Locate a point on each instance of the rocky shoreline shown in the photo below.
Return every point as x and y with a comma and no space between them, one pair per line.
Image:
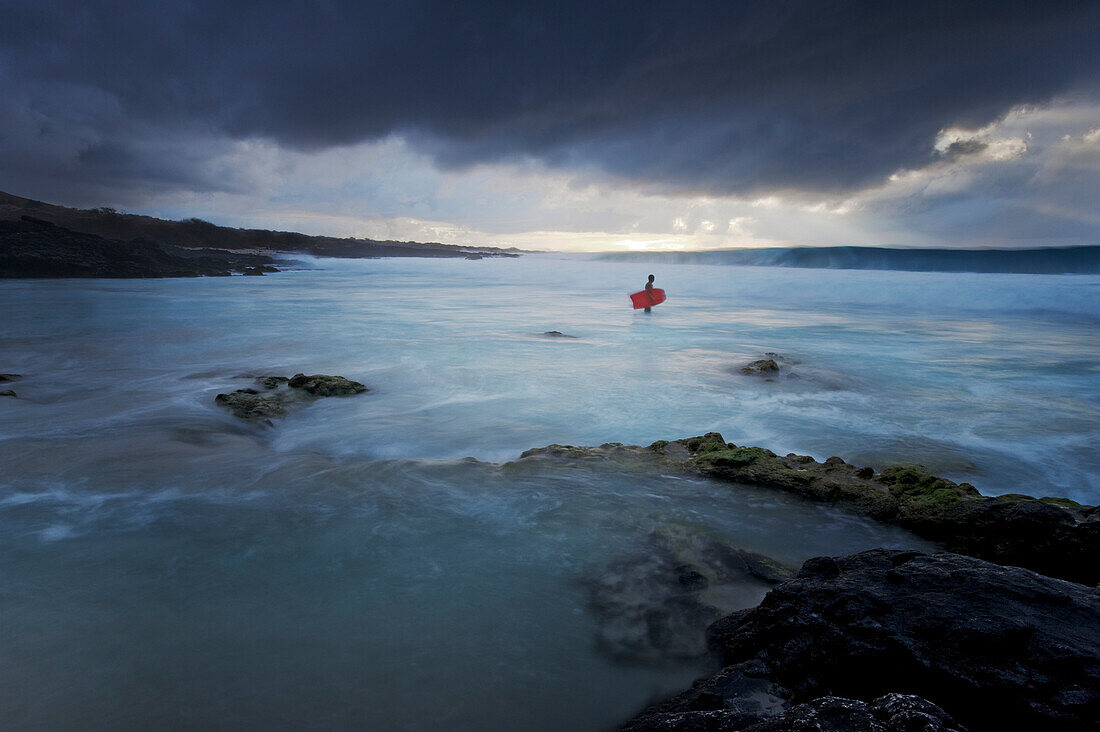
35,248
1054,536
939,638
41,240
1001,631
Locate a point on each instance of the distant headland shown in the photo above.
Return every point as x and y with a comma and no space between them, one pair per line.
1047,260
40,239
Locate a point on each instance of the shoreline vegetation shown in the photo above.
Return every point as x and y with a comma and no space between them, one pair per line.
42,240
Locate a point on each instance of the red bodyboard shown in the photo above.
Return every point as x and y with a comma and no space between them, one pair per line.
642,299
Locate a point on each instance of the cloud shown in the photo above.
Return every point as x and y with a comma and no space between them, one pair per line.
565,125
709,97
1026,179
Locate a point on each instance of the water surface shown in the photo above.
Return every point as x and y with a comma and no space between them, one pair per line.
164,564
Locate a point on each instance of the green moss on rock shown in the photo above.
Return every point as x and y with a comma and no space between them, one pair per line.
1063,503
737,457
913,484
704,443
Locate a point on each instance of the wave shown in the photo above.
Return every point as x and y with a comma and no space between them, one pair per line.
1055,260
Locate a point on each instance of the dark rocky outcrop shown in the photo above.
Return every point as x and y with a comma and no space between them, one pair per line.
1054,536
321,385
250,404
771,368
996,647
888,713
31,247
283,393
192,233
763,367
557,334
4,378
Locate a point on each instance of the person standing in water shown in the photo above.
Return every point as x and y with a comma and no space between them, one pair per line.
649,292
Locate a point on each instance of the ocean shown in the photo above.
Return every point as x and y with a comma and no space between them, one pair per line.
373,561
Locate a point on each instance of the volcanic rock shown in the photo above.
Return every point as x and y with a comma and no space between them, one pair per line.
996,647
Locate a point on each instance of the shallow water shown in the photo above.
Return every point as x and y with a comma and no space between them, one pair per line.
162,563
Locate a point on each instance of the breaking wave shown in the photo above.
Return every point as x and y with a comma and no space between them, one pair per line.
1060,260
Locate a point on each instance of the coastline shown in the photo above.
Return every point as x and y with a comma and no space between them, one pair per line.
1002,627
1054,536
43,240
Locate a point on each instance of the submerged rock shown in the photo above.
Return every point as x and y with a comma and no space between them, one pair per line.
996,647
276,400
775,366
557,334
10,377
8,393
657,606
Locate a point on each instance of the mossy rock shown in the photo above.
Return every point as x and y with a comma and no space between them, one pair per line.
1059,502
913,484
763,367
1065,503
323,385
753,465
709,442
247,404
737,457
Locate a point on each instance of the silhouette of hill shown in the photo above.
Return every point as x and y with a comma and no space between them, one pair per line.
195,233
1047,260
33,247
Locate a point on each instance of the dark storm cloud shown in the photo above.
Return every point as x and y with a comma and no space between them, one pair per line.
710,96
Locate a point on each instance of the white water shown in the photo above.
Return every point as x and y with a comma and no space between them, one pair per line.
162,563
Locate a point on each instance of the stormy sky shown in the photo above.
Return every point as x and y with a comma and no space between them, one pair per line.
572,125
